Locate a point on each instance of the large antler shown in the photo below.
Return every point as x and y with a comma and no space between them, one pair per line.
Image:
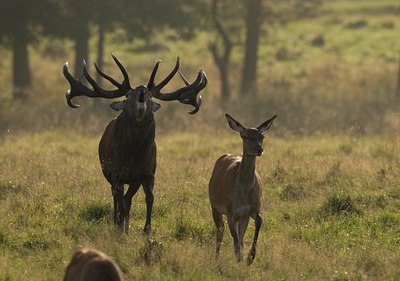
186,95
79,89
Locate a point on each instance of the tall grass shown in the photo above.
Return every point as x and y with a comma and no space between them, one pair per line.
329,212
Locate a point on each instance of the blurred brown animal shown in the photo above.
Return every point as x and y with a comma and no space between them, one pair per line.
235,188
127,149
92,265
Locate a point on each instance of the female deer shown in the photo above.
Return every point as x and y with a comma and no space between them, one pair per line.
92,265
235,188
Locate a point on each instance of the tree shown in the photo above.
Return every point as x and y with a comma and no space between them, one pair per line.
16,31
267,11
224,19
21,23
76,17
253,25
221,57
398,81
145,18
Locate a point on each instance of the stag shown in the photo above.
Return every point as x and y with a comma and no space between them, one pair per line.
92,265
127,149
235,188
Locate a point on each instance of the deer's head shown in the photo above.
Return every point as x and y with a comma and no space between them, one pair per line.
137,100
252,137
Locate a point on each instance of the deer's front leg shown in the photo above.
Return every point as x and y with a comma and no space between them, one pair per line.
148,186
252,253
234,229
119,205
133,188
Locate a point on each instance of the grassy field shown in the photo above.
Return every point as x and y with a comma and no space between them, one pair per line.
331,196
330,207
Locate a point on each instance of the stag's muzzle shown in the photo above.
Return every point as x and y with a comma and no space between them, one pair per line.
141,108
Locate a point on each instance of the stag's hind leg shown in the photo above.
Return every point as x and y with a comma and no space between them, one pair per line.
148,186
258,222
119,205
133,188
219,224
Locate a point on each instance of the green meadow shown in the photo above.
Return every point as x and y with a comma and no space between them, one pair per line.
330,169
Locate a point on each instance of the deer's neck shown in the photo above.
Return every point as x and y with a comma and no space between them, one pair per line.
246,171
134,133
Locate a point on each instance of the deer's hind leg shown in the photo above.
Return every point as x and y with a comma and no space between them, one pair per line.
219,224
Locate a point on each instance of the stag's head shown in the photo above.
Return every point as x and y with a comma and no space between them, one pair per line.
138,101
252,137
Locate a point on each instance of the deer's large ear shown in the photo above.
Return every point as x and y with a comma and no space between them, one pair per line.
155,106
266,125
118,105
235,125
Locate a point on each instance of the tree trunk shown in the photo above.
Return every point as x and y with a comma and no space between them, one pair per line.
100,52
253,23
98,104
21,71
222,62
81,48
221,58
398,81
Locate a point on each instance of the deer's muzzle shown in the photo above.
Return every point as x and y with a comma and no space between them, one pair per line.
141,108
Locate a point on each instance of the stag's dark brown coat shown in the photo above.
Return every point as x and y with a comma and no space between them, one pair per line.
133,157
127,150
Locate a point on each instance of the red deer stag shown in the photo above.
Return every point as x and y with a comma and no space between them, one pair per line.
235,188
92,265
127,149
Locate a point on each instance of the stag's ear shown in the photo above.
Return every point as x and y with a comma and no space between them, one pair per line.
235,125
155,106
118,105
266,125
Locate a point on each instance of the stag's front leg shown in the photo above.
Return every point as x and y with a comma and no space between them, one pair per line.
234,229
148,185
119,205
133,188
257,221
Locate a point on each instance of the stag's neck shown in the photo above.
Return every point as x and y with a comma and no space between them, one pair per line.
136,132
247,170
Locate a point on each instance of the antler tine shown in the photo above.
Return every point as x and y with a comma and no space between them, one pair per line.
151,84
191,96
188,94
169,77
183,78
110,79
89,78
79,89
124,73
